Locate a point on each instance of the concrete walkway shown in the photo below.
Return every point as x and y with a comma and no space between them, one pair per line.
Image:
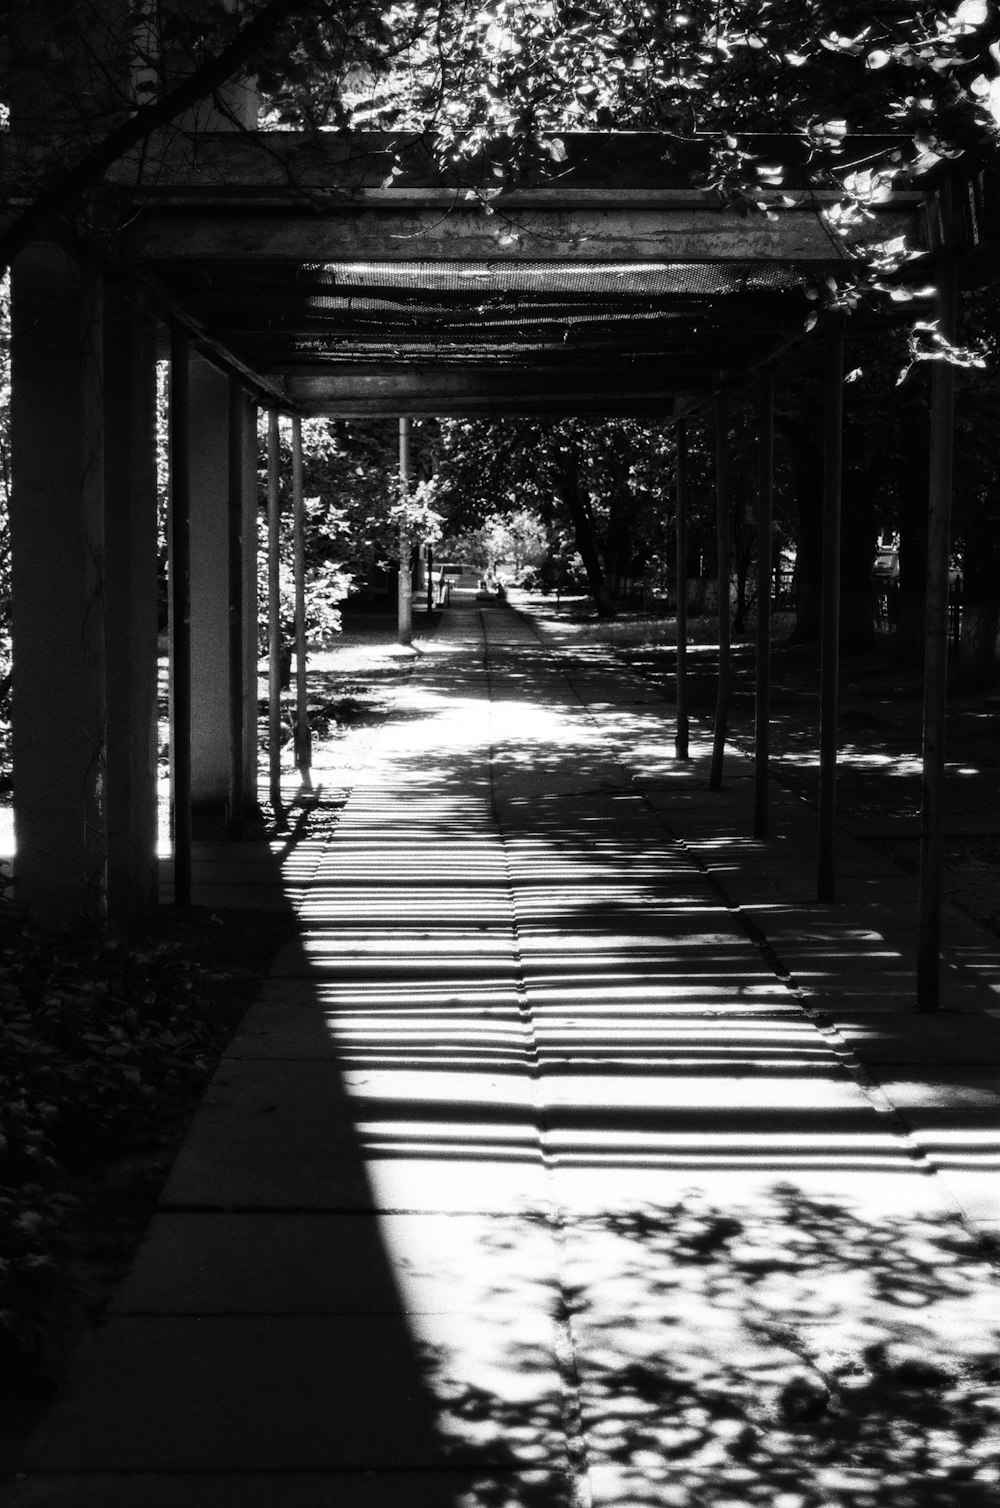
571,1155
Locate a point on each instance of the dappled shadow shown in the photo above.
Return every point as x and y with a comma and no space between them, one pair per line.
799,1351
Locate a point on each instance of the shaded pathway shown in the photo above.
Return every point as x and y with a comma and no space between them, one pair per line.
528,1180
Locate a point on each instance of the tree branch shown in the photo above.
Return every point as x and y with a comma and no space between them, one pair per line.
212,75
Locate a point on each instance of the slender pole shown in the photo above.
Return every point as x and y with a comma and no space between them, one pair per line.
765,546
237,814
830,629
936,650
682,737
303,734
180,609
724,572
430,578
405,599
274,615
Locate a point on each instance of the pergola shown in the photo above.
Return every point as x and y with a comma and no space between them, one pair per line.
317,276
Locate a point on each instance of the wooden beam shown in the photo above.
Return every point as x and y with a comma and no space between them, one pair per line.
297,160
384,234
361,390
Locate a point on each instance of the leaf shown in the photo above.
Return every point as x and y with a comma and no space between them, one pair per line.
972,14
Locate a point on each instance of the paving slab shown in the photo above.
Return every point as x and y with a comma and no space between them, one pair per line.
303,1028
958,1038
371,1263
290,1134
297,1489
318,1392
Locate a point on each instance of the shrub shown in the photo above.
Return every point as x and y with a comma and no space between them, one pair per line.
96,1039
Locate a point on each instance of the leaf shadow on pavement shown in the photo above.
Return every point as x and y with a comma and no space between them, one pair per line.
797,1352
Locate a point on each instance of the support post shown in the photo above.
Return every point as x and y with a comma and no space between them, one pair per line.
128,408
179,535
682,735
303,734
83,534
405,593
725,647
210,628
765,536
430,579
236,814
830,628
274,617
251,626
936,649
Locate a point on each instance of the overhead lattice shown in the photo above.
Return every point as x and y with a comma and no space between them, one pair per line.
602,290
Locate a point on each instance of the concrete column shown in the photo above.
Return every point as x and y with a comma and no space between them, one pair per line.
274,618
83,535
223,440
209,457
179,544
130,595
303,733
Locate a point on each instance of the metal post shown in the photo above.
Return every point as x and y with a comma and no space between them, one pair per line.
682,736
722,593
936,650
405,597
430,578
765,533
237,813
830,630
180,611
303,735
274,615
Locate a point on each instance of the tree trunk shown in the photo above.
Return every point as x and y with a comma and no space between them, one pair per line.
857,552
586,544
806,458
978,648
857,543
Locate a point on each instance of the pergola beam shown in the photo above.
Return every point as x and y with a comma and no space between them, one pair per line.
384,233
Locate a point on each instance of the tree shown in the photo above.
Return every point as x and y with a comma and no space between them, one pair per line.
513,542
493,89
977,468
606,482
88,82
352,507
